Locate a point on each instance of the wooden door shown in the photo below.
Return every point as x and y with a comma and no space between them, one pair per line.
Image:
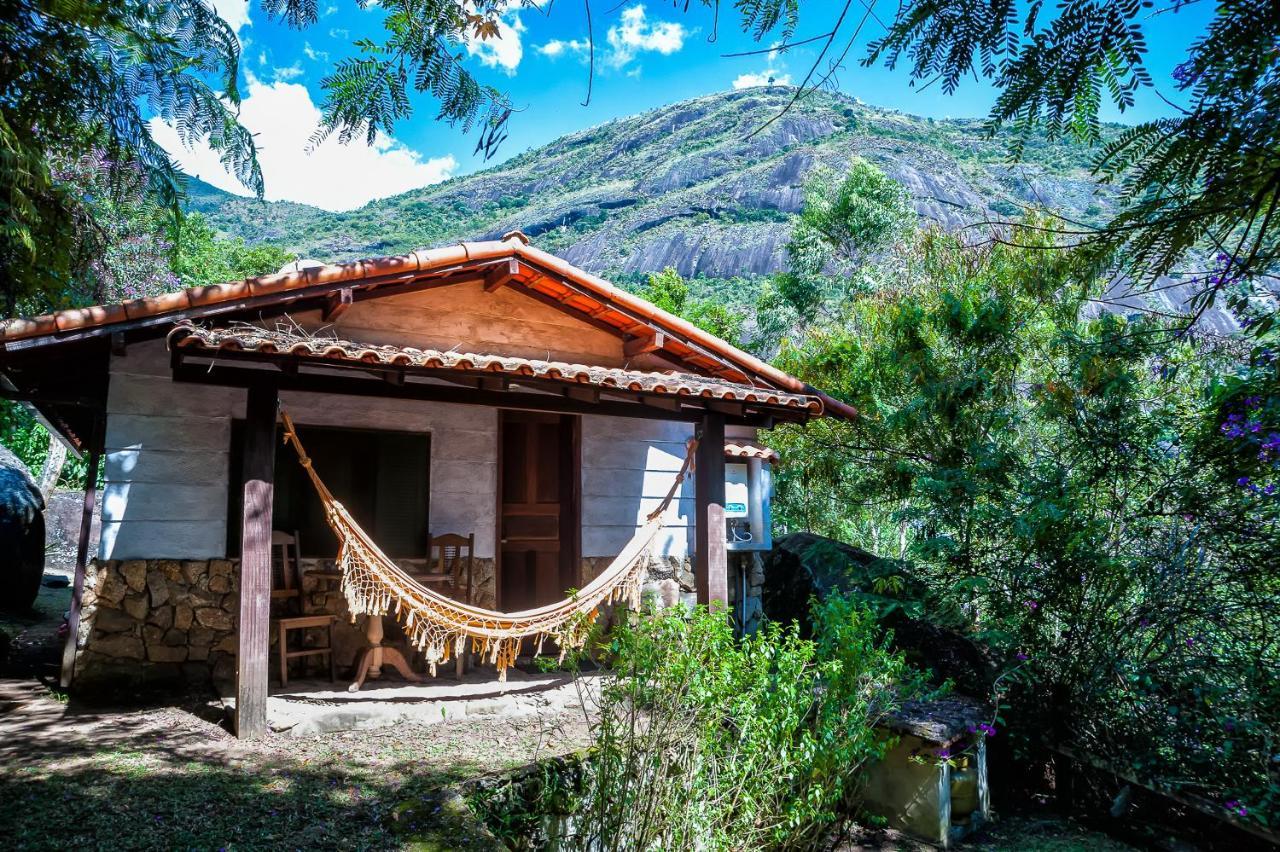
538,511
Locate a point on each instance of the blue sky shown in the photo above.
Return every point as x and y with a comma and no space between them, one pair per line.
647,55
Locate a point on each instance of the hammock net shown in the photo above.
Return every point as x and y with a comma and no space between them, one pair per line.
441,627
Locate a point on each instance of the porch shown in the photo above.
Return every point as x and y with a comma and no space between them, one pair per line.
311,705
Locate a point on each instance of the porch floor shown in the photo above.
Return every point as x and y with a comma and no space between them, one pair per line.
308,706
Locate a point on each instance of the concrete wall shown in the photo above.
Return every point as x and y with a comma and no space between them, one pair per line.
628,465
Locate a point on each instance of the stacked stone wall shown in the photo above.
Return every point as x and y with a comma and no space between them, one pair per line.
156,619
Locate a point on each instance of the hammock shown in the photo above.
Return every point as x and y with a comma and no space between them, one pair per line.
439,626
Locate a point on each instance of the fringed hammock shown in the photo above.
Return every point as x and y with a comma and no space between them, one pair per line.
440,627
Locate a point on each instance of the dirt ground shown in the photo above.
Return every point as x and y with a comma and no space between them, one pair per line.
167,777
171,776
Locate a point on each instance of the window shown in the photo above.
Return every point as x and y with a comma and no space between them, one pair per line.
383,478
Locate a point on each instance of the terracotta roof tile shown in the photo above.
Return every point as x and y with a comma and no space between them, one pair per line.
549,276
246,338
749,450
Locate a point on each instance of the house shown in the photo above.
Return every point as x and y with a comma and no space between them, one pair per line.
487,388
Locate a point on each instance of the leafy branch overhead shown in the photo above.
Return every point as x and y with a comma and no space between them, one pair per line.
1206,178
423,52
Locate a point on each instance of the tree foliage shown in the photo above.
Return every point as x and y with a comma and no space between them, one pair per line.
707,741
1097,496
669,291
80,80
368,94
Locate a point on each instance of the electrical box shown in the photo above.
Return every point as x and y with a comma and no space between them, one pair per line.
747,487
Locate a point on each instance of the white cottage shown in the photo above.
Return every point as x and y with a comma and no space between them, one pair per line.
486,390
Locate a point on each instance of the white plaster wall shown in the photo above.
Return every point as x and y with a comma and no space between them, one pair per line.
628,465
167,457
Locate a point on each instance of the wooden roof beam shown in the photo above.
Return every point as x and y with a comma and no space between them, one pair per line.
501,275
643,344
338,304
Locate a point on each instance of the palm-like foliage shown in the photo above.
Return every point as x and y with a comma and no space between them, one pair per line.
84,76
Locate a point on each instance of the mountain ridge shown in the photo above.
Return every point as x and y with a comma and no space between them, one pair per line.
621,197
708,186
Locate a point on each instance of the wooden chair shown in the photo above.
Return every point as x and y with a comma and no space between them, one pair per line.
451,557
286,583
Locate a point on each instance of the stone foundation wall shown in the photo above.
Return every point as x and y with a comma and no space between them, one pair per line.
155,620
160,619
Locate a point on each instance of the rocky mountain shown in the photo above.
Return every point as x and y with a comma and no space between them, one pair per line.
687,185
706,185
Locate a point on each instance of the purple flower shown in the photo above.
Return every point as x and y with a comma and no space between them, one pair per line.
1031,605
1021,656
943,753
1243,482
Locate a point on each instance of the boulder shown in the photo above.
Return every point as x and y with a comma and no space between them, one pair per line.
136,605
114,621
161,617
802,566
159,653
182,615
21,534
157,587
113,588
120,646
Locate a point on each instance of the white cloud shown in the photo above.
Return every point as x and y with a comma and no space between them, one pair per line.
557,48
335,177
635,34
340,33
313,54
768,77
289,72
234,12
502,51
330,10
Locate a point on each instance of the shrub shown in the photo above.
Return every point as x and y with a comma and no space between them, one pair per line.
707,741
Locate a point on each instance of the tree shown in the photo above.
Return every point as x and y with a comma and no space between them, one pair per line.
669,291
80,78
844,223
202,257
1099,498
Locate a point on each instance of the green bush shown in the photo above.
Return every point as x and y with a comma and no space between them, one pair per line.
707,741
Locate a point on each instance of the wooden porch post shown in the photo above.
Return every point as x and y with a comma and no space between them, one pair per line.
82,554
255,561
711,559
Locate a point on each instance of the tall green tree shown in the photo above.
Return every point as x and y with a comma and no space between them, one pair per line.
80,80
1098,497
